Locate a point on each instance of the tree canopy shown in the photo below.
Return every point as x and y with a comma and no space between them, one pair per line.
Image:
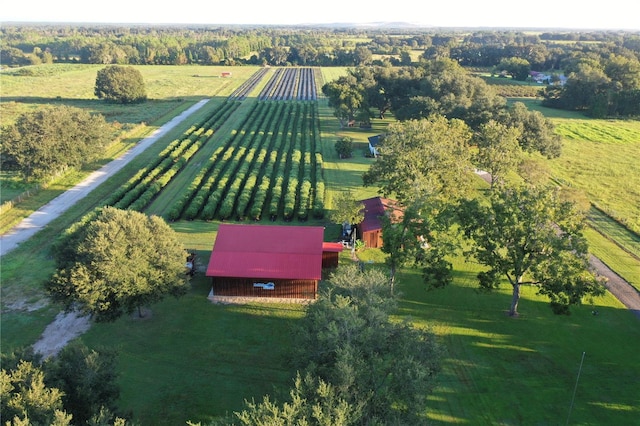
117,263
42,143
530,236
428,156
25,399
77,387
346,209
423,236
87,379
384,368
120,84
498,149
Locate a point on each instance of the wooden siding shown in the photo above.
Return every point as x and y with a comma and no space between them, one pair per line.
330,259
372,239
245,287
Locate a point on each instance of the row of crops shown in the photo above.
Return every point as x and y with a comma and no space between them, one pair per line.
268,167
247,87
291,84
284,84
138,192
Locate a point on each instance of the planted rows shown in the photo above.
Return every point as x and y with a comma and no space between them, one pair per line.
290,84
141,189
245,88
268,167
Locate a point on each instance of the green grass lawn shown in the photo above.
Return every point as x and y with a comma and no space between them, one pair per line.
500,370
602,158
194,360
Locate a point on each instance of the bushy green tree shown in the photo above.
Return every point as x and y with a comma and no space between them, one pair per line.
422,236
121,261
344,147
346,96
498,149
427,156
120,84
312,402
518,68
537,132
87,379
26,400
346,209
348,340
44,142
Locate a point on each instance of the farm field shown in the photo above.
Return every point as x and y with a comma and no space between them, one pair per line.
192,360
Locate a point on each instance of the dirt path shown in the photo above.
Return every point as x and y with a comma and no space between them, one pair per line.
65,328
68,326
622,290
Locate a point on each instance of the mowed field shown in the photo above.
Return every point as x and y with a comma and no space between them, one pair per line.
193,360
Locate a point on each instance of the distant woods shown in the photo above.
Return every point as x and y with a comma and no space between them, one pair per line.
600,69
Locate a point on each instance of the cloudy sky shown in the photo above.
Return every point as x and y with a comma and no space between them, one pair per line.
571,14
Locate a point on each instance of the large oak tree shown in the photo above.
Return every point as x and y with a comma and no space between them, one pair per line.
347,339
531,236
117,263
120,84
42,143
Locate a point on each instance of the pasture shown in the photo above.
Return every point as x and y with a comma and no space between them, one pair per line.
194,360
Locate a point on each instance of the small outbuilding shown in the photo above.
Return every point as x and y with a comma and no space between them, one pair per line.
330,254
370,229
269,261
374,141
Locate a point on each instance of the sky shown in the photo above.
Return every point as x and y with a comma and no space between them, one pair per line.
552,14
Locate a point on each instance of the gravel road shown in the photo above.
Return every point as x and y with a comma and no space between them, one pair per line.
622,290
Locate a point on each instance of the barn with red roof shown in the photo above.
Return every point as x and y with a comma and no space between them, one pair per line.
370,229
269,261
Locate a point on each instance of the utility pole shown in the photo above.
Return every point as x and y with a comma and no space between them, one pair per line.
575,388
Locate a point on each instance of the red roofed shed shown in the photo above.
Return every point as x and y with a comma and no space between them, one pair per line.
330,254
267,261
370,229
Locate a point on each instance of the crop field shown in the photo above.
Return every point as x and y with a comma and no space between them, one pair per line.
263,149
267,166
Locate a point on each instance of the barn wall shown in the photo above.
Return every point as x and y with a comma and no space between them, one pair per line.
244,287
372,239
330,259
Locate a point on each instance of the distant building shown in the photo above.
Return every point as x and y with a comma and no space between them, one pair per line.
374,141
543,78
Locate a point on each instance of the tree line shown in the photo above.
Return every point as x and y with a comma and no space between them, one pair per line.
311,46
602,68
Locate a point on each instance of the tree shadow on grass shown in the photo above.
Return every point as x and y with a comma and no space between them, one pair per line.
504,370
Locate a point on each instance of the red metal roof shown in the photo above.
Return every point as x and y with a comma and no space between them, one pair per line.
267,251
374,208
332,247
